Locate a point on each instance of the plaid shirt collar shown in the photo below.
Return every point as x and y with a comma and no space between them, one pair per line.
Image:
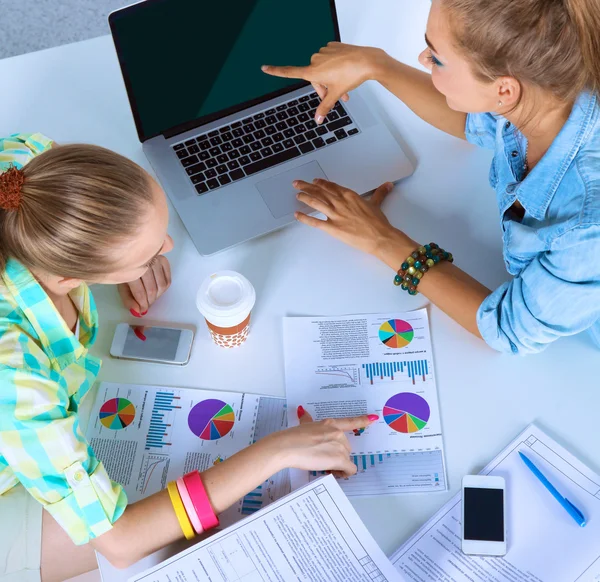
57,340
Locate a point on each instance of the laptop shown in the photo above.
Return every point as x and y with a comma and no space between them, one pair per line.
225,139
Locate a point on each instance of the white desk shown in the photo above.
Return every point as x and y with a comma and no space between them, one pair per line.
75,93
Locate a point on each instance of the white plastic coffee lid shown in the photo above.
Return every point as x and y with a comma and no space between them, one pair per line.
226,294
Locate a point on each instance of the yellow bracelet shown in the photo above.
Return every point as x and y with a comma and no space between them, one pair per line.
182,518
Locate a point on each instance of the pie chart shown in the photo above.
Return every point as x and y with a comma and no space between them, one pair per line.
211,419
117,413
396,333
406,412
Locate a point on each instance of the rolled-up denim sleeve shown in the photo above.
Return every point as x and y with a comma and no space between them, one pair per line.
556,295
480,129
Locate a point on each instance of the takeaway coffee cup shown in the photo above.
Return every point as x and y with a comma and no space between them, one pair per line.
225,299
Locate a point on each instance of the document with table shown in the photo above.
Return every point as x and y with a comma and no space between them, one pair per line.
544,543
360,364
312,534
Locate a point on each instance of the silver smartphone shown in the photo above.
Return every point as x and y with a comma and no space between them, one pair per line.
483,515
165,345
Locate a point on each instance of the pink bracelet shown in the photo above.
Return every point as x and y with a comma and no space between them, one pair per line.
189,506
197,493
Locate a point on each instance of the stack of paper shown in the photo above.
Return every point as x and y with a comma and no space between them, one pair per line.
544,542
312,534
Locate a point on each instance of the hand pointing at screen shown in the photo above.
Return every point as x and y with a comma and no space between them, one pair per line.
336,69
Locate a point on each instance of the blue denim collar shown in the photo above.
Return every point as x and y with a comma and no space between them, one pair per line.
537,190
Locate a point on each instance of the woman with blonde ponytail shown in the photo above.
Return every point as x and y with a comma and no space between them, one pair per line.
72,215
520,77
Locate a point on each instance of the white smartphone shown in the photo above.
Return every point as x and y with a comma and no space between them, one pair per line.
483,515
166,345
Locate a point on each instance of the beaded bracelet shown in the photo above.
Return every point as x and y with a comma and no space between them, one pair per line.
417,264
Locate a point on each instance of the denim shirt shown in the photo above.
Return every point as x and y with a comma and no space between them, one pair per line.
553,252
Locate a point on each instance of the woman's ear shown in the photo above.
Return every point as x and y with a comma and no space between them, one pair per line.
508,92
68,283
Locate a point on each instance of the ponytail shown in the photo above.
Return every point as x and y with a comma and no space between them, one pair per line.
62,210
585,15
550,44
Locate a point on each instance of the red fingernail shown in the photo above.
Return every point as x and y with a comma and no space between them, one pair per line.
144,313
134,313
139,334
301,412
373,417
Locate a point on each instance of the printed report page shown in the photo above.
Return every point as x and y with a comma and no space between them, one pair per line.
311,534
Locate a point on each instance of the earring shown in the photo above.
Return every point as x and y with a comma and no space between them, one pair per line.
499,103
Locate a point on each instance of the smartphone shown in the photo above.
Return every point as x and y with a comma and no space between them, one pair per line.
483,515
167,345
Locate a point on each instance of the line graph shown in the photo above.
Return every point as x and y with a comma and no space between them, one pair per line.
153,467
339,375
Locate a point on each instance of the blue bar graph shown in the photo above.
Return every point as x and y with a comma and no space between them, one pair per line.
164,403
412,369
252,501
362,462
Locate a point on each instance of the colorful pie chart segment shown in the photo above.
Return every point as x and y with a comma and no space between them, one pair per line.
117,413
211,419
396,333
406,412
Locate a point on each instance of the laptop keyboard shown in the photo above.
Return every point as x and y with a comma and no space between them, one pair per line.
256,143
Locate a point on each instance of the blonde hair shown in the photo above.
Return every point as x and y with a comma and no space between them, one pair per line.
551,44
75,202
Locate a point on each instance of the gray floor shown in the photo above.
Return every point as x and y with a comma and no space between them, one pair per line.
32,25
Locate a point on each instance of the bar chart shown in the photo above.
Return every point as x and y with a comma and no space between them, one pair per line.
270,417
253,501
161,420
390,371
394,473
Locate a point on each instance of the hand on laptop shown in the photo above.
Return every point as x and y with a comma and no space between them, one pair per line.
355,221
336,69
139,295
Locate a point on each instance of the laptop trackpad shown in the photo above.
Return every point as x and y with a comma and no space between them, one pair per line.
279,194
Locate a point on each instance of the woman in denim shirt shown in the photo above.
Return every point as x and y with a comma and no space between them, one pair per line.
521,78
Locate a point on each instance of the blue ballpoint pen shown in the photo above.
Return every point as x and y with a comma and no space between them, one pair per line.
567,505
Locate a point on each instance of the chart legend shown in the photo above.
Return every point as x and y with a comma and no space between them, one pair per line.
406,412
396,333
117,413
386,371
211,419
165,403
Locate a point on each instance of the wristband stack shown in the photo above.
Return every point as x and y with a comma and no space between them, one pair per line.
192,507
417,264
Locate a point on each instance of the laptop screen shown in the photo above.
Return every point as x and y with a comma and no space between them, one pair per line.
190,60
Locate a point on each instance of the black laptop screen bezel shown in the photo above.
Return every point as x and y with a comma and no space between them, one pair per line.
187,126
